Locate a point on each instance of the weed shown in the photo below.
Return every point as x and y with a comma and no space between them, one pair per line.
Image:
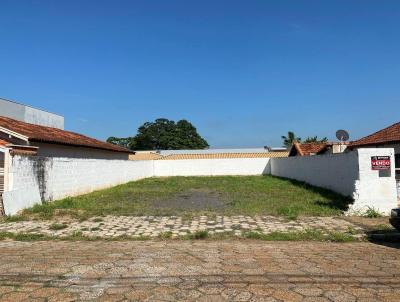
15,218
197,235
307,235
371,212
58,226
165,235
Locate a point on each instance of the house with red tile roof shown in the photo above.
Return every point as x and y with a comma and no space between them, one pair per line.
22,137
307,149
388,137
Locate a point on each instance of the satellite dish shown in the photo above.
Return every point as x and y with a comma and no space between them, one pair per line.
342,135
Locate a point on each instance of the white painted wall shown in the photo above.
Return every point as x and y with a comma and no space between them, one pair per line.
33,179
375,188
29,114
212,167
336,172
39,178
347,173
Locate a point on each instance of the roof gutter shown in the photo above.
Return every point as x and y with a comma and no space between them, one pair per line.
15,134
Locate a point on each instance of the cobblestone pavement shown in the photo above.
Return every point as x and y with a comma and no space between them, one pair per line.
237,270
114,226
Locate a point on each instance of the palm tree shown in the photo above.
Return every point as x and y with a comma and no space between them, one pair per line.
290,139
315,139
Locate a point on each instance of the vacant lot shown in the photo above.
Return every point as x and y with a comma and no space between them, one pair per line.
247,195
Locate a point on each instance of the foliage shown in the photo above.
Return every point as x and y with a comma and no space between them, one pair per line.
290,139
315,139
163,134
372,213
197,235
123,142
306,235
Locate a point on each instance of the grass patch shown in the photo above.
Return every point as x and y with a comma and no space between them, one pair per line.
197,235
307,235
15,218
240,195
58,226
165,235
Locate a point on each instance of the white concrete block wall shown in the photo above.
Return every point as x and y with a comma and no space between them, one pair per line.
347,173
336,172
32,179
40,178
375,188
212,167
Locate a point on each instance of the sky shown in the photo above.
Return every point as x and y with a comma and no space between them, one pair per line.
243,72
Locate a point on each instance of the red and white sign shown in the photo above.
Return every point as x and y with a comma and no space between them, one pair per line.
380,162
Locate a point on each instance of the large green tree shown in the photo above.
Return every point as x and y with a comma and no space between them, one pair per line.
163,134
290,139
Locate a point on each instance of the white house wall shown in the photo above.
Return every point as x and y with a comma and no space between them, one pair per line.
29,114
57,150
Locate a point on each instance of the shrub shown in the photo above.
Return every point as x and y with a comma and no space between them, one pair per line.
371,212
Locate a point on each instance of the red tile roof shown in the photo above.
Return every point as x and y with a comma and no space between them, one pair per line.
309,148
390,134
3,142
36,133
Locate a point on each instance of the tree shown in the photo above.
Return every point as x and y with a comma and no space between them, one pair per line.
123,142
314,139
164,134
290,139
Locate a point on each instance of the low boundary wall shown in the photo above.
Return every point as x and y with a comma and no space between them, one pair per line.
347,173
36,179
212,167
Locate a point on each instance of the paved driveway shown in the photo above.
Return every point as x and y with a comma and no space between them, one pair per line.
240,270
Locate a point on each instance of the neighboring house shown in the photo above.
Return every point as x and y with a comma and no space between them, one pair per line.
21,137
145,155
307,149
29,114
386,138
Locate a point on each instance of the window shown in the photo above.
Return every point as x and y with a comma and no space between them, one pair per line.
397,165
